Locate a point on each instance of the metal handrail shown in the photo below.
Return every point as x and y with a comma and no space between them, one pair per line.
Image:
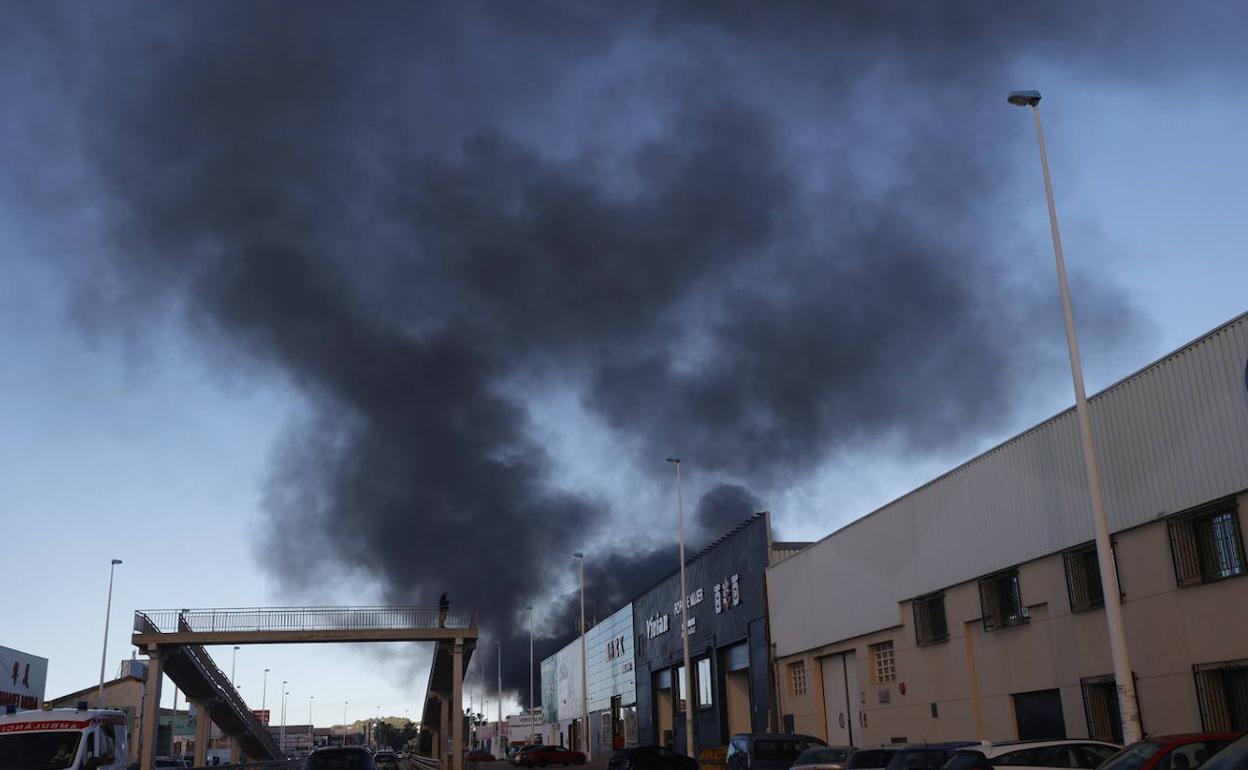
304,619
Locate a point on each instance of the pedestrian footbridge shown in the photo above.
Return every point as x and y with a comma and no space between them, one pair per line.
174,642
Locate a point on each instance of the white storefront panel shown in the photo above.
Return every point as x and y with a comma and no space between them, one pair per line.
23,678
610,655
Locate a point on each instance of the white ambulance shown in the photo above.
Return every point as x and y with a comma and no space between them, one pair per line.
64,739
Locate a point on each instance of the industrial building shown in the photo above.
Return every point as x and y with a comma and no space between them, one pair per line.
971,607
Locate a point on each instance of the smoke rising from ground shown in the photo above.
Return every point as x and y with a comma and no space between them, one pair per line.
744,233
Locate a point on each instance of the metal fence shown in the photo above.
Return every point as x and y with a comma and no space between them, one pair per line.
303,619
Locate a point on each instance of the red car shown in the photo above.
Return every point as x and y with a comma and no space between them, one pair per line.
477,755
540,756
1169,752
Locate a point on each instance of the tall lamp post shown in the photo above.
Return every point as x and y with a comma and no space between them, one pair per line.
345,703
499,742
310,698
282,742
233,664
108,613
684,614
1128,706
584,677
264,691
532,727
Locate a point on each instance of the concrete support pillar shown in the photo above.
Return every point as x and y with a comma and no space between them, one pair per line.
151,710
457,706
444,732
236,752
203,732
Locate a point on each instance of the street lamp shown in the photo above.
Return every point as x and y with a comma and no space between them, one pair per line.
499,742
108,612
264,691
345,703
283,732
1128,706
684,615
531,725
233,664
310,698
584,677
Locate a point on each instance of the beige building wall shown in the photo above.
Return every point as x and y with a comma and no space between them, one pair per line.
962,688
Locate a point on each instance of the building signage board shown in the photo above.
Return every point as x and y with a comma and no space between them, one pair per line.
23,678
610,659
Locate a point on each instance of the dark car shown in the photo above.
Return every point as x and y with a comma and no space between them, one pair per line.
386,760
650,758
1169,752
824,758
1232,757
477,755
340,758
924,756
767,751
541,756
871,759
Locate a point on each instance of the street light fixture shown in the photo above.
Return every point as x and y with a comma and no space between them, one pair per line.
264,692
684,615
310,699
233,665
584,676
345,703
1128,706
108,612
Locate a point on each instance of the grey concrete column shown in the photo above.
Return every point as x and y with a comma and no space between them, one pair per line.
236,752
457,706
203,732
444,731
151,710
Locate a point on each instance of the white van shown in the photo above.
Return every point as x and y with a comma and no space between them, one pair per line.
64,739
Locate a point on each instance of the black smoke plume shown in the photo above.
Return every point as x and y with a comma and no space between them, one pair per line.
758,235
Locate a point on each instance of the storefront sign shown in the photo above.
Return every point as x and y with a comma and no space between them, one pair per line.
693,600
727,594
615,648
656,625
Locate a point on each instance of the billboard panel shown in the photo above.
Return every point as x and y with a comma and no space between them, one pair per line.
23,678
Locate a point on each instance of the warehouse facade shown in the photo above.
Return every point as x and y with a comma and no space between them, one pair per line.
971,608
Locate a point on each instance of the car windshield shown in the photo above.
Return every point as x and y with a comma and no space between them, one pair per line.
339,760
1233,757
917,759
1132,757
39,750
864,758
822,754
785,749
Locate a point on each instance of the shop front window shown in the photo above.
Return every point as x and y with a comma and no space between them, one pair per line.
682,690
706,684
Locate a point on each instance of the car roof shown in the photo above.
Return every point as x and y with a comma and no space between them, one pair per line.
997,748
945,745
777,736
1189,737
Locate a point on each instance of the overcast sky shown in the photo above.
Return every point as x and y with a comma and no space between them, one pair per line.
318,305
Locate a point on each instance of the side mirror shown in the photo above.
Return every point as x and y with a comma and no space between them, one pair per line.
91,763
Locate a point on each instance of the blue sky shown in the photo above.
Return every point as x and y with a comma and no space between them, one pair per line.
146,444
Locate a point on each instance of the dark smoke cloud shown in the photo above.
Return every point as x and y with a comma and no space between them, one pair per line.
424,215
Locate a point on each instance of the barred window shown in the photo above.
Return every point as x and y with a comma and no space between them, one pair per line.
1001,600
797,678
930,626
1083,579
884,666
1100,704
1222,690
1206,544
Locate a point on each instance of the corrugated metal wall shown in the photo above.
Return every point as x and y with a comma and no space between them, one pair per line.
1168,438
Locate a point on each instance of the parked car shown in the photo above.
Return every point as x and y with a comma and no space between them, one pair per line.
517,755
1170,752
650,758
386,760
477,755
541,756
924,756
871,759
1086,754
767,751
1234,756
340,758
824,758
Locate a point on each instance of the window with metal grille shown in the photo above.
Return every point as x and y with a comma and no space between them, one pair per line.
1083,579
1206,544
930,626
884,666
1222,690
797,678
1001,601
1100,704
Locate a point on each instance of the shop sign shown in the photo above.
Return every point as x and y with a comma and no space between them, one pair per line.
727,594
656,625
615,648
693,600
